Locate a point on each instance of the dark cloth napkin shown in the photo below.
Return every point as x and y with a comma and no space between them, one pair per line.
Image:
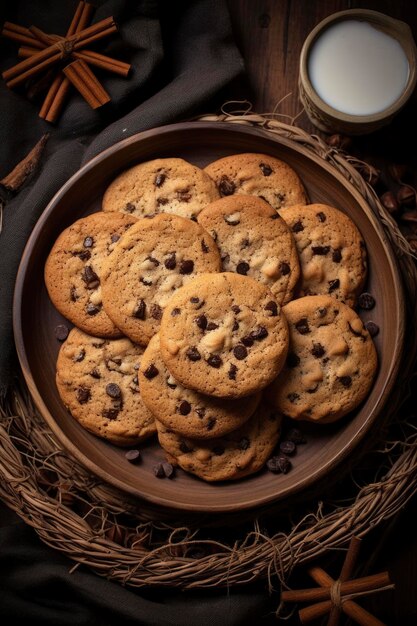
183,56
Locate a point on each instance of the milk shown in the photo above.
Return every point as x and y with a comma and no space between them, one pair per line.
357,69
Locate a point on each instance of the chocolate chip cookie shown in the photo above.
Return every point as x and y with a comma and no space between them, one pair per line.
156,257
331,250
331,361
97,380
73,270
161,186
184,411
258,175
240,453
224,335
254,241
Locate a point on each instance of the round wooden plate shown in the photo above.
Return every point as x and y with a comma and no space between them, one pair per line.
35,319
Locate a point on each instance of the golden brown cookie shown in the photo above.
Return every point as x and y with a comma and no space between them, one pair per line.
258,175
161,186
97,380
254,241
331,361
156,257
73,270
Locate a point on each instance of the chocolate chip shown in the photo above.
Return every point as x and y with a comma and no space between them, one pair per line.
193,354
235,325
184,195
321,216
73,294
218,450
158,470
211,423
274,216
292,397
184,408
280,197
214,361
88,242
204,246
115,237
61,332
151,372
110,414
337,256
175,312
168,469
232,372
145,281
201,322
265,169
140,310
186,266
171,262
272,307
372,328
242,268
366,301
113,391
236,309
318,350
133,456
226,186
320,250
259,333
313,389
292,359
159,179
322,311
90,277
247,341
156,311
244,443
296,436
334,284
185,448
80,356
245,243
279,464
284,268
195,300
212,326
231,220
346,381
153,260
287,447
298,227
83,394
240,352
130,207
92,309
201,411
95,373
135,380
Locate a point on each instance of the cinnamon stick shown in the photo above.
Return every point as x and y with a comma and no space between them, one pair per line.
58,50
15,179
350,587
86,83
20,34
346,573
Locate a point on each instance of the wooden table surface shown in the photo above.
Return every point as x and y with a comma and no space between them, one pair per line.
270,34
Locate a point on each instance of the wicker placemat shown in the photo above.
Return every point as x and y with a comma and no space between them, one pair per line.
96,525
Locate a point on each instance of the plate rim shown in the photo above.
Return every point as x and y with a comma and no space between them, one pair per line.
66,443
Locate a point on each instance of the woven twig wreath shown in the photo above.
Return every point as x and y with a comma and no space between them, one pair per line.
93,523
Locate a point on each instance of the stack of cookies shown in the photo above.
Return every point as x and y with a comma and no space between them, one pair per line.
208,304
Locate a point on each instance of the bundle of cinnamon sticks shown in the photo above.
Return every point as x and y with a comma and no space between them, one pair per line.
42,51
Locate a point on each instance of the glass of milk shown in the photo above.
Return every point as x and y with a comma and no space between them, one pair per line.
357,70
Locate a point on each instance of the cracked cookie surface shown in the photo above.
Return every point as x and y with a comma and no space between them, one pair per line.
331,251
97,379
331,361
73,270
161,186
237,454
155,258
224,335
184,411
258,175
254,241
